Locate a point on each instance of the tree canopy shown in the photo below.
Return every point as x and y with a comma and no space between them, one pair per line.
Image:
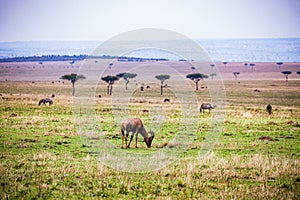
110,79
196,76
126,75
72,77
162,77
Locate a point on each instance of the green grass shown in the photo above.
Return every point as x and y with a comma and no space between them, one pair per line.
43,157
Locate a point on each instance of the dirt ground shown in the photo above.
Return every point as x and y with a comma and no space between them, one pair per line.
51,71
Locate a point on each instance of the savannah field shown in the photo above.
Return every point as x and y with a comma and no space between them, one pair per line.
256,156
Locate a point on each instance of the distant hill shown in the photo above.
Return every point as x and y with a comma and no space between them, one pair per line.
74,58
45,58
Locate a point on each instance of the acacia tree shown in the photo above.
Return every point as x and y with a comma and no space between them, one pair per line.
236,74
212,75
162,79
110,80
196,78
126,77
298,73
252,65
73,78
286,73
279,64
225,63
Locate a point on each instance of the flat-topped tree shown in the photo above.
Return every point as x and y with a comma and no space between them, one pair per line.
73,78
298,73
279,64
252,65
236,74
212,75
196,78
110,80
126,77
286,73
162,79
225,63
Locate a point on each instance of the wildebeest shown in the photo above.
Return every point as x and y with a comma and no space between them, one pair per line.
46,100
206,106
269,109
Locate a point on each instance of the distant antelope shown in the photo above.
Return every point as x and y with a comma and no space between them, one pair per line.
166,100
44,101
269,109
207,106
135,126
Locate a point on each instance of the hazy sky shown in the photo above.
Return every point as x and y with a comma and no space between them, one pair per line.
23,20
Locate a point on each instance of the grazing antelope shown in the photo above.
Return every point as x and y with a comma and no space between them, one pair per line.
135,126
44,101
207,106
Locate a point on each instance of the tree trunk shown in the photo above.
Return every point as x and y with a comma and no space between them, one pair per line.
126,84
73,89
110,91
196,82
108,88
161,87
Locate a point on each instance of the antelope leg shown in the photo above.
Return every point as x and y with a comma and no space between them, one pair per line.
131,137
136,140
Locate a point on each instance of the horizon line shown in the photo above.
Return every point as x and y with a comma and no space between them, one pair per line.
237,38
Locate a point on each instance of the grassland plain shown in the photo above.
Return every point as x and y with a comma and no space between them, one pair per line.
257,155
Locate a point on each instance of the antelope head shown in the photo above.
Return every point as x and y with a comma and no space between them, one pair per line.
148,140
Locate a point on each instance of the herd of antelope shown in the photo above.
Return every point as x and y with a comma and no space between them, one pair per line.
133,126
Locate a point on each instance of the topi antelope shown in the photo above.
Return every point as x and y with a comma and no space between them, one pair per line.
135,126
